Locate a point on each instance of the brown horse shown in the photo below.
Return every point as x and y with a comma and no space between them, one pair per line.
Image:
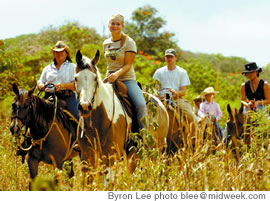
106,124
49,130
187,133
237,128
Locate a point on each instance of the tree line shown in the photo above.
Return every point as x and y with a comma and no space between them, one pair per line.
23,58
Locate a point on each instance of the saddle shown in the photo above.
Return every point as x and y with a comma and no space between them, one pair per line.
61,103
121,92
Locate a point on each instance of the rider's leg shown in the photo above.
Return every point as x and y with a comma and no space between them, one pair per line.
137,98
72,106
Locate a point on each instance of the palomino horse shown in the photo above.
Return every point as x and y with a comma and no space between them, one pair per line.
182,129
105,122
51,135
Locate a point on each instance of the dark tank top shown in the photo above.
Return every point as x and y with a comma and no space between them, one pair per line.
258,94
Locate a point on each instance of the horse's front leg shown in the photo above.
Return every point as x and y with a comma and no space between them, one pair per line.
33,166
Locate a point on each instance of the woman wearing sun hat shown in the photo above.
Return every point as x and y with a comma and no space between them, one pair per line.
61,74
255,93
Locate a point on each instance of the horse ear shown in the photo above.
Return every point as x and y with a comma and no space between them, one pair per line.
241,108
229,111
96,58
15,89
31,91
79,57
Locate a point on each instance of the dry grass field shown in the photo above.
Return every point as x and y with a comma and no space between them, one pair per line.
187,170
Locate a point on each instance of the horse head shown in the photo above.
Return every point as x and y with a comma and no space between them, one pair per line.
235,123
86,81
21,108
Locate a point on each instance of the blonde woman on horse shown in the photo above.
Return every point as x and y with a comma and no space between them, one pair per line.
120,51
255,93
60,75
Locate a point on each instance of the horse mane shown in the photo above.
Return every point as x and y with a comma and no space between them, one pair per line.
43,113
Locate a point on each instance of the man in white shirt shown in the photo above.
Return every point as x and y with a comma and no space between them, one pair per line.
174,81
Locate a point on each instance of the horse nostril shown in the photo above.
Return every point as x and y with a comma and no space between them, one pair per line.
13,129
84,107
80,107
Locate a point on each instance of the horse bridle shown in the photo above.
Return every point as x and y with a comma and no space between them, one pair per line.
94,94
24,123
91,106
23,120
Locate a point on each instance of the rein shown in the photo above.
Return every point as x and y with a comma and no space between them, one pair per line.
41,140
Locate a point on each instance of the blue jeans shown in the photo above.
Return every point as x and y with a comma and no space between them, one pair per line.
72,106
220,129
258,108
137,98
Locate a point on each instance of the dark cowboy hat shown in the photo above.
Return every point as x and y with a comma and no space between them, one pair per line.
251,67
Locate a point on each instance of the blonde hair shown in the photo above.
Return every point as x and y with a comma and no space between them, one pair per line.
119,17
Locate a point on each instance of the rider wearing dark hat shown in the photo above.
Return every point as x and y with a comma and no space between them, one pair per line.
255,92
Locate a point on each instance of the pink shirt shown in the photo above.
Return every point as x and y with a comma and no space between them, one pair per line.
210,108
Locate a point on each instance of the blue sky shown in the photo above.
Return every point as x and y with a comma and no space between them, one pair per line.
230,27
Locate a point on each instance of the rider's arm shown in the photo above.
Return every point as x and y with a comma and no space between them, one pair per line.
42,80
180,93
219,113
266,89
201,112
243,92
65,86
40,86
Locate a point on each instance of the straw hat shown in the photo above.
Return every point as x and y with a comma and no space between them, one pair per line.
60,46
209,90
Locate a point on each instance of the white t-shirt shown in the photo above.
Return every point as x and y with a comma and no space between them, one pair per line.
115,56
171,79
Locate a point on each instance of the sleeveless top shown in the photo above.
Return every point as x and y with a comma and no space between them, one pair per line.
258,94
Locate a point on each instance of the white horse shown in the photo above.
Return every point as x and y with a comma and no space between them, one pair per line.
106,125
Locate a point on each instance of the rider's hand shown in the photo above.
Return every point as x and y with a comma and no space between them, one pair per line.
173,91
251,104
112,77
41,87
58,87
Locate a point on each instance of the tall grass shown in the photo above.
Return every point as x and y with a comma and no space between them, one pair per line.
187,170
